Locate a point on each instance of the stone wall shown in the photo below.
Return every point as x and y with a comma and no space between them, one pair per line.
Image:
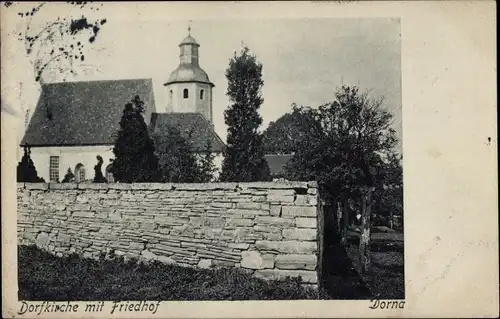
272,229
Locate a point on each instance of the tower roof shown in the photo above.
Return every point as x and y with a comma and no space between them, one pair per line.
188,69
189,40
188,73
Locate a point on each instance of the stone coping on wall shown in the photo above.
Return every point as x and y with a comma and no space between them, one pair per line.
170,186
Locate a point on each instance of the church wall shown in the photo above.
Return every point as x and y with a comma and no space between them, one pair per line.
271,230
176,100
203,106
69,157
193,104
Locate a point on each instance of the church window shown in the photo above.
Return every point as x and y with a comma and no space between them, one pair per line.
186,93
201,94
80,173
54,168
171,96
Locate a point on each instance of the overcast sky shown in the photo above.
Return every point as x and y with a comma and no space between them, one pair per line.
304,60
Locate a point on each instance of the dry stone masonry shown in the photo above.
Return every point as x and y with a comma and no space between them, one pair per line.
272,229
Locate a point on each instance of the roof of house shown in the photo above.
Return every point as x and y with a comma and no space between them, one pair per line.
83,113
277,163
197,124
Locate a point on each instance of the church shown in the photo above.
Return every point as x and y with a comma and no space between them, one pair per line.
74,122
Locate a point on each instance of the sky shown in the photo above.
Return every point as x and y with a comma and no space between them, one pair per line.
304,60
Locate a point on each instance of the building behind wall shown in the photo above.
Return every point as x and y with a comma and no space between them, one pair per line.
74,122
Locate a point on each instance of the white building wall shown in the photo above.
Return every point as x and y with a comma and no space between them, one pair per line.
193,104
204,106
175,98
69,157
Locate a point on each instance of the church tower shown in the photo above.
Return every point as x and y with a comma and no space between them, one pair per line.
189,89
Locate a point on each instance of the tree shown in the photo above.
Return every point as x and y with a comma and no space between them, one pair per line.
284,135
135,159
58,42
207,166
26,171
98,177
349,142
69,177
244,159
177,162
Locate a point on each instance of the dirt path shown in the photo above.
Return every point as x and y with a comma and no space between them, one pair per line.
340,279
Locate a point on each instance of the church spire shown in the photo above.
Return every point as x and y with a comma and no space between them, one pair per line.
189,49
189,89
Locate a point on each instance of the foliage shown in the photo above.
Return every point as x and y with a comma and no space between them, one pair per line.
45,277
98,177
285,135
244,159
346,145
26,171
135,159
69,177
207,166
178,163
59,43
389,191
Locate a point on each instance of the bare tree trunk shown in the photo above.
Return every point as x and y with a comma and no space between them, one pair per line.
364,241
345,221
339,220
391,218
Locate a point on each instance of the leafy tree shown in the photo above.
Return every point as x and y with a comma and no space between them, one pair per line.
98,177
58,44
349,141
207,166
284,135
135,159
177,162
348,137
69,177
244,155
26,171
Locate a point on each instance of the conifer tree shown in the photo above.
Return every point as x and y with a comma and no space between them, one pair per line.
207,166
26,171
69,177
135,160
244,159
177,162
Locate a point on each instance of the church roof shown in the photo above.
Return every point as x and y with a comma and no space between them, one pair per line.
83,113
188,73
197,124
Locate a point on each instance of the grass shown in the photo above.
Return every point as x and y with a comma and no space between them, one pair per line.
44,277
385,277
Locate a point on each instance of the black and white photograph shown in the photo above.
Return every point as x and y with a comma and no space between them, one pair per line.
190,159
